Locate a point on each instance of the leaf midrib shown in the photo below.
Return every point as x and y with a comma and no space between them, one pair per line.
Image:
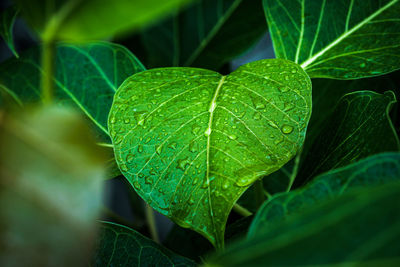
309,61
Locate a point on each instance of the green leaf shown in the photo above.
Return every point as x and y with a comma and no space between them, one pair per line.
86,77
121,246
337,39
359,228
51,185
7,18
191,141
372,171
358,127
92,19
207,34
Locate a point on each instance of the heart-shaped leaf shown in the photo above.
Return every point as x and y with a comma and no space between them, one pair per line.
337,39
191,141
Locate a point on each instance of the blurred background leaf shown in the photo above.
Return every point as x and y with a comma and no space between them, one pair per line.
51,184
86,76
80,20
372,171
118,245
359,228
358,127
7,19
207,34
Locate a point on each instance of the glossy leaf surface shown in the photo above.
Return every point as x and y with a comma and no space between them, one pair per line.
343,39
86,77
207,34
92,19
7,19
51,185
358,127
359,228
191,141
121,246
374,170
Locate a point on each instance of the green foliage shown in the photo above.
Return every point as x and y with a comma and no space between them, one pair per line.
120,246
358,127
195,144
7,19
191,141
221,34
89,85
79,19
374,170
343,39
331,233
51,183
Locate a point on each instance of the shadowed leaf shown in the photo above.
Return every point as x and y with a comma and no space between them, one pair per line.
120,246
372,171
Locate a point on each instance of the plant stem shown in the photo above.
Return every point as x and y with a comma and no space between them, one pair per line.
260,193
48,64
117,218
242,210
152,223
294,171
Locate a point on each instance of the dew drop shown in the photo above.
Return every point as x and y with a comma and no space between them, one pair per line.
148,139
148,180
257,116
225,185
172,145
140,148
287,129
124,167
232,137
193,147
129,158
113,120
127,120
362,65
294,71
244,181
273,124
205,184
207,132
182,163
195,181
136,185
159,149
196,129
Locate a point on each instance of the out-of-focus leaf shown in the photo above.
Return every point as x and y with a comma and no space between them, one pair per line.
374,170
359,228
86,76
121,246
51,181
327,93
92,19
7,20
343,39
207,34
191,140
358,127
